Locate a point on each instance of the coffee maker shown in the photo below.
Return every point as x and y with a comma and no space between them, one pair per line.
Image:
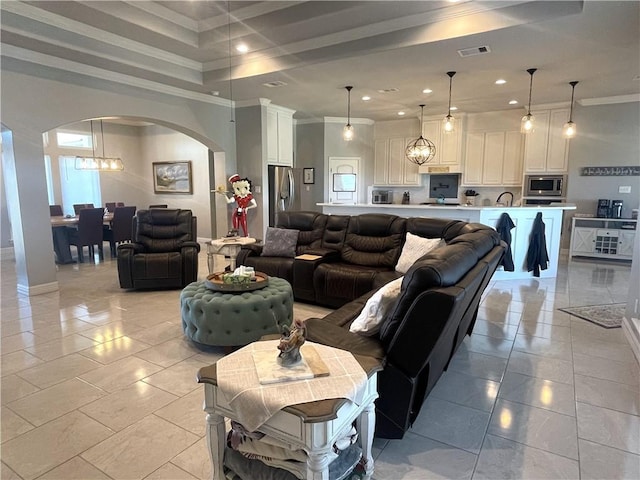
603,208
616,208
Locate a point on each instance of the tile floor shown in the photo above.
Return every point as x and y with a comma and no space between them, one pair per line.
99,383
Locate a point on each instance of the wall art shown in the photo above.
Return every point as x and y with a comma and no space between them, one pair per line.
623,171
172,177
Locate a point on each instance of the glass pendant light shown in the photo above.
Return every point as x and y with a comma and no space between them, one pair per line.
527,121
569,129
448,124
347,132
103,163
421,150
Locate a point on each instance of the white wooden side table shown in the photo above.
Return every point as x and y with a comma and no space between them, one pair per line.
313,427
227,246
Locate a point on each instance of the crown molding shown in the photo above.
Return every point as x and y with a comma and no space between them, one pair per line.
354,121
254,102
547,106
590,102
102,74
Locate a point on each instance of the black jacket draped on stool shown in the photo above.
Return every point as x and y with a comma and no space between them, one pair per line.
537,256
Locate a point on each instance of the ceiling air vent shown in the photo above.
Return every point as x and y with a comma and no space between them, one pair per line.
388,90
471,51
274,84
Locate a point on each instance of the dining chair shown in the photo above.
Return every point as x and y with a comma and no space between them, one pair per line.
89,232
163,205
120,204
110,206
79,206
55,210
121,228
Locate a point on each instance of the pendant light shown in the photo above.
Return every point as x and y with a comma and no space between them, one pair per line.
421,150
347,133
527,121
448,124
569,129
103,163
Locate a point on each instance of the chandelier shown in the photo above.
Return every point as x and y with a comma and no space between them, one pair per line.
421,150
101,164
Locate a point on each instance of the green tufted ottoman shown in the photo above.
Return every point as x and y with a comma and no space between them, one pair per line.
232,319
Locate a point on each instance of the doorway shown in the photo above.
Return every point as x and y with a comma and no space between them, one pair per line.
344,179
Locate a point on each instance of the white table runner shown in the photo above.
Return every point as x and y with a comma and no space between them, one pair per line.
255,403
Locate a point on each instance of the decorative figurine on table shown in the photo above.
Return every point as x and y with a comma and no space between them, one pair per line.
290,343
243,198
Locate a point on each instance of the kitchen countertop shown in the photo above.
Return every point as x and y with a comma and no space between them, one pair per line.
415,206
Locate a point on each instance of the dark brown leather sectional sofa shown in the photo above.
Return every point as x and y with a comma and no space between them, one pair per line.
436,308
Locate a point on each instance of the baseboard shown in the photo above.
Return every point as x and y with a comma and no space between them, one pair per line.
38,289
7,253
631,329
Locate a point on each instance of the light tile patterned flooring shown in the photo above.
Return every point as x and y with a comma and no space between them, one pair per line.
99,383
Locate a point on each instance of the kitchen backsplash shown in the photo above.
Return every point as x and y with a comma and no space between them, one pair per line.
487,195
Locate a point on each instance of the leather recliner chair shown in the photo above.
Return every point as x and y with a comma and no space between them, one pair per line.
164,250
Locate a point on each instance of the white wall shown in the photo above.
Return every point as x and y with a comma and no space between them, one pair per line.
361,146
160,144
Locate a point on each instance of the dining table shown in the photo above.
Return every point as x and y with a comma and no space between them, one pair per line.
60,231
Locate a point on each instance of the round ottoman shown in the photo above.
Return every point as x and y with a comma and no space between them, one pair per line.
232,319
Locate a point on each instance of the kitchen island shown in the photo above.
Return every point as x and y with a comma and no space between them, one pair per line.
522,217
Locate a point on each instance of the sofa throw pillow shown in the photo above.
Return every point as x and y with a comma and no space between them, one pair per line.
415,247
280,242
375,310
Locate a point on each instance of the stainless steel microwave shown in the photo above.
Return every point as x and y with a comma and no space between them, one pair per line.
381,196
544,185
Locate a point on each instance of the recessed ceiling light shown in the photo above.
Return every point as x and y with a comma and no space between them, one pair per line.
513,102
366,98
427,90
275,84
401,113
501,81
215,92
242,48
453,108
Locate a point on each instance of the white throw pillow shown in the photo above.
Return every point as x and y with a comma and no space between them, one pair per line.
374,311
415,247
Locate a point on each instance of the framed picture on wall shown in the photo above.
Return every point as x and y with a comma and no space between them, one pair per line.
172,177
308,175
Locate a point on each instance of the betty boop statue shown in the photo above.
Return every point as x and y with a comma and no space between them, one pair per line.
244,201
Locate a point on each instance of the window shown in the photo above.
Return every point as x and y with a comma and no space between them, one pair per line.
74,139
78,186
47,169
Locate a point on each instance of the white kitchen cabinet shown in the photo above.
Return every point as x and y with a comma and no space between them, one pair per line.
546,150
513,158
279,136
493,159
448,156
472,174
602,237
381,162
391,167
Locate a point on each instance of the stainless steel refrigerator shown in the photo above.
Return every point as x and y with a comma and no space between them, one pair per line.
284,190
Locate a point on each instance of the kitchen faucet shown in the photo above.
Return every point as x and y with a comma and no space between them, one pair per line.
500,196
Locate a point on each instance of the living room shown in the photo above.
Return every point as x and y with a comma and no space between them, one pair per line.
40,94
